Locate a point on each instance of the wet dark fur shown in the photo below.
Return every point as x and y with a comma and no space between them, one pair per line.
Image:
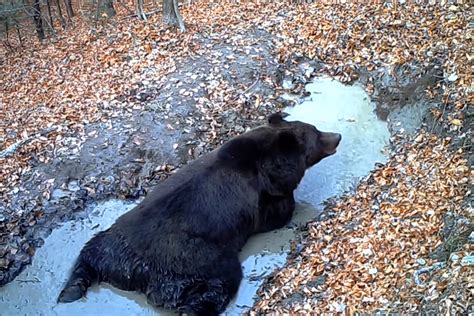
179,246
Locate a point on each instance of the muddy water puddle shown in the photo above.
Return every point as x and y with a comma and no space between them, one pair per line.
331,107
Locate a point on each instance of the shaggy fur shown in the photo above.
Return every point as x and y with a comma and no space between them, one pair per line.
179,246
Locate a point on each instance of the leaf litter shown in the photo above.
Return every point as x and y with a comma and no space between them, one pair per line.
396,216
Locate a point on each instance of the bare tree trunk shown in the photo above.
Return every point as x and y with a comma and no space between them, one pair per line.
60,13
97,9
6,42
17,26
38,20
171,15
139,10
48,6
18,32
69,11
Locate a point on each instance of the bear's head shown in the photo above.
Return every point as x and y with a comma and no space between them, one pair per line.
315,144
279,152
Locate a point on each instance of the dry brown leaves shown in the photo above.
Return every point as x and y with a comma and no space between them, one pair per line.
368,252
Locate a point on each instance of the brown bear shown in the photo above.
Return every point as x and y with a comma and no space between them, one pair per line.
180,245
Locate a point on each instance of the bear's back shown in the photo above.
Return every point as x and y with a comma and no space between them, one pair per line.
195,206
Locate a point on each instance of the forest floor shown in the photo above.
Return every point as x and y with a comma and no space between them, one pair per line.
109,111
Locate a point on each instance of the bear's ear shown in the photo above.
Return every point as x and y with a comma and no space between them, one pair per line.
277,118
280,173
288,143
241,151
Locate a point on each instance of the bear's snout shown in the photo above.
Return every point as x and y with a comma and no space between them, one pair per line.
330,141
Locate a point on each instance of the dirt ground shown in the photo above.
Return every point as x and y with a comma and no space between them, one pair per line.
184,104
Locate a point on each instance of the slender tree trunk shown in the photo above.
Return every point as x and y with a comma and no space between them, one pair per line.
6,42
97,9
60,13
18,33
69,11
140,12
17,26
38,20
48,6
171,15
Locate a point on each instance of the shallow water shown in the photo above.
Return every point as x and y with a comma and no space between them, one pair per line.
331,107
334,107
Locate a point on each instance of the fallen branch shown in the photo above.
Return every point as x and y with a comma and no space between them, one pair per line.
12,149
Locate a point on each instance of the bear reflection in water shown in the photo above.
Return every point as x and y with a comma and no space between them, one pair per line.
180,245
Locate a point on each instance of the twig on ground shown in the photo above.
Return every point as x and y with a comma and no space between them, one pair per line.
247,89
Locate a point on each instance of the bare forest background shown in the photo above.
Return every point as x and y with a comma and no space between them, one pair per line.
19,19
